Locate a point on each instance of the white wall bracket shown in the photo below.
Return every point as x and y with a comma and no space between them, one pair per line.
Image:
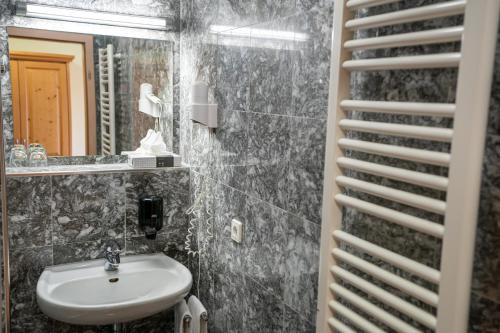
205,114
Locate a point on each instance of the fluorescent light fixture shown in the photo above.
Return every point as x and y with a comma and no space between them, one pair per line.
87,16
258,33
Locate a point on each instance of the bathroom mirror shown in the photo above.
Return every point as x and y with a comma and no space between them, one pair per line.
77,94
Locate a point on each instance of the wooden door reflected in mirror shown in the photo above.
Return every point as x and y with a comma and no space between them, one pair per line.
41,100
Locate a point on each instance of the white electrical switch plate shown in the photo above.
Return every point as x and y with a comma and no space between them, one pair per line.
236,231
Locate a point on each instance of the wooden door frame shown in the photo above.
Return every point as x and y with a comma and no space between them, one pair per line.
46,58
88,46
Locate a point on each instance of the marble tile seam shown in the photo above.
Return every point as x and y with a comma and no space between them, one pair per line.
481,295
279,115
280,299
299,315
282,210
295,13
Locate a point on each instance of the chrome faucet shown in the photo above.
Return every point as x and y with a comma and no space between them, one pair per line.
112,259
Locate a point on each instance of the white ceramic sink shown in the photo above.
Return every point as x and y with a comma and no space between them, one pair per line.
84,293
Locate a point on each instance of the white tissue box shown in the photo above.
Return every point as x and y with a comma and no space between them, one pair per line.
145,161
142,161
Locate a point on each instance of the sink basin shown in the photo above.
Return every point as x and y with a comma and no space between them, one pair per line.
84,293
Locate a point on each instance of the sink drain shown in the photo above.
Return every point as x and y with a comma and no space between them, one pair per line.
113,280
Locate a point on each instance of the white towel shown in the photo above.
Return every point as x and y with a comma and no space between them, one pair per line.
182,317
200,316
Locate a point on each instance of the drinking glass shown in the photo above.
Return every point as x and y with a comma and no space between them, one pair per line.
34,146
18,156
37,155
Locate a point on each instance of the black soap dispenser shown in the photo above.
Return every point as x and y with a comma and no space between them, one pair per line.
151,215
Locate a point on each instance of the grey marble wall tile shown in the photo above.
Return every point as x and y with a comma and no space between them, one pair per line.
176,131
185,15
235,13
141,245
89,159
185,133
81,251
87,207
158,323
203,13
107,159
263,310
294,323
38,324
271,69
311,62
233,75
60,327
302,266
6,88
229,204
24,274
240,13
176,63
233,175
264,245
484,316
494,110
268,138
171,245
201,157
270,93
172,185
28,206
487,249
267,157
314,5
305,176
229,148
5,12
8,120
229,303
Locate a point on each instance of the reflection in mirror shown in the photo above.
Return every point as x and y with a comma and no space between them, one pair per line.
76,95
135,62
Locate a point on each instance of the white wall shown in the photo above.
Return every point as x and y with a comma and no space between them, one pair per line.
77,83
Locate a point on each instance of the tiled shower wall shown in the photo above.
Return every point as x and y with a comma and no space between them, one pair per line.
67,218
264,163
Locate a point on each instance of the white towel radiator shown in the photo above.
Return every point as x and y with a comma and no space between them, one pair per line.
107,99
463,160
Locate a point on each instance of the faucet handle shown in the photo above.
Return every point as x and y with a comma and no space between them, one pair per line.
112,258
111,251
112,255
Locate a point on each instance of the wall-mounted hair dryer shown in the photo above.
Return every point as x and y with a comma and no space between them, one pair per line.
149,103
